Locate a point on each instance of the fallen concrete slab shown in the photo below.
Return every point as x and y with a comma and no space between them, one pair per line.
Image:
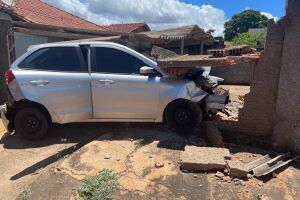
203,158
236,168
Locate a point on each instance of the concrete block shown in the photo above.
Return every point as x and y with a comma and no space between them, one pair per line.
236,168
203,158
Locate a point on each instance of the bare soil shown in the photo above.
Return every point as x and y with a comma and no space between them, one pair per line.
55,167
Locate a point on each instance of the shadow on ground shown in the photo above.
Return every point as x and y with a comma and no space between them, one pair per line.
79,134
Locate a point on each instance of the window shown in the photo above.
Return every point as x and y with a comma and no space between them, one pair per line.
109,60
54,59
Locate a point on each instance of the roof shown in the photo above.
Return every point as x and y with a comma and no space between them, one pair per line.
193,32
128,28
39,12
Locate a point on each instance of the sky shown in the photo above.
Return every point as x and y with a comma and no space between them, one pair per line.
160,14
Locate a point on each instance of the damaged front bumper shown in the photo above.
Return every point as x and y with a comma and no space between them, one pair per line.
215,103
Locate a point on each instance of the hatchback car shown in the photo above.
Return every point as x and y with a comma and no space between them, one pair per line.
98,82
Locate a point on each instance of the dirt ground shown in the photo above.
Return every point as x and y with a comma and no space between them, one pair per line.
55,167
145,157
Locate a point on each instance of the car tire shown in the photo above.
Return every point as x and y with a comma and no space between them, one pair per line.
183,116
31,123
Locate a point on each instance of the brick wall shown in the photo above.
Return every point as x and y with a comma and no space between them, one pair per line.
272,108
257,115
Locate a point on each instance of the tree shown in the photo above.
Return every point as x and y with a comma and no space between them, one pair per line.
255,40
240,23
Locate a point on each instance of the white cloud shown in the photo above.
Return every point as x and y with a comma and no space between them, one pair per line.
158,14
269,16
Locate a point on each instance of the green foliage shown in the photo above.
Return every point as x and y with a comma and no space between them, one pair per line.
24,194
99,187
240,23
255,40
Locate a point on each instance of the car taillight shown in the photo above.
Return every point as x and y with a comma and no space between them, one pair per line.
9,76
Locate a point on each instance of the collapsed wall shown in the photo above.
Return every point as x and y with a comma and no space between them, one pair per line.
272,108
287,122
259,107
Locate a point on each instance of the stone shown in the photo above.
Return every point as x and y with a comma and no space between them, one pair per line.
219,174
159,163
249,176
236,168
195,176
107,157
262,197
203,158
226,171
242,183
214,136
261,184
227,179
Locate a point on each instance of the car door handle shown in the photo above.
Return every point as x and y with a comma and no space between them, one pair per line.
106,81
39,82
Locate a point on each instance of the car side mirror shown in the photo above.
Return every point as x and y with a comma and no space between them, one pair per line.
146,71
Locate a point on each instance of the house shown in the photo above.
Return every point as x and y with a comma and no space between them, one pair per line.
46,23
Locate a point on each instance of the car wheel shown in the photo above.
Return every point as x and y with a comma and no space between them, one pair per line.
31,123
183,115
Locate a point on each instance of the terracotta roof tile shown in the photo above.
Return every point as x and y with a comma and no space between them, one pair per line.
39,12
128,28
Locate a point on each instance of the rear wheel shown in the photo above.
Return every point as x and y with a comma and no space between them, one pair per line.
31,123
183,115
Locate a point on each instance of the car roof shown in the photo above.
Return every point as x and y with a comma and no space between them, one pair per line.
74,43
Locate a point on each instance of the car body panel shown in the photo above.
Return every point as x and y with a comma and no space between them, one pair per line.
67,95
125,97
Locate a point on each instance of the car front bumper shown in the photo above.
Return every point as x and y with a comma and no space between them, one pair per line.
3,112
216,103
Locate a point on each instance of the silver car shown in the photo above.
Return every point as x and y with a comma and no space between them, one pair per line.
98,82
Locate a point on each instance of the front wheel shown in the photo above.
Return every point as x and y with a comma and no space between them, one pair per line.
183,115
31,123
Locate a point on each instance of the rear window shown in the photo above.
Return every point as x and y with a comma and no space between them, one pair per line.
54,59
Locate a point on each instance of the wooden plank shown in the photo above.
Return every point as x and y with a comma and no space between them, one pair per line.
65,29
54,34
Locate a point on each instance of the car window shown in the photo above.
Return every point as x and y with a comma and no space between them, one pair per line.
54,59
110,60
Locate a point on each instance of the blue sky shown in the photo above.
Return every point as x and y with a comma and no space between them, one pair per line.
160,14
231,7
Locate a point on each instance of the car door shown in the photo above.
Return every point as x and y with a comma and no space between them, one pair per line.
118,90
57,78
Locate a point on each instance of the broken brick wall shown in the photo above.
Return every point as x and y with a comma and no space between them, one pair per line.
287,121
272,108
256,117
238,74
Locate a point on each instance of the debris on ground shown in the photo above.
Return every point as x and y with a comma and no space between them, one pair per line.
209,158
214,136
273,164
236,168
203,158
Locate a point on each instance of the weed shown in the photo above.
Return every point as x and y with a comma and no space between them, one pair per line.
24,194
142,142
99,187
